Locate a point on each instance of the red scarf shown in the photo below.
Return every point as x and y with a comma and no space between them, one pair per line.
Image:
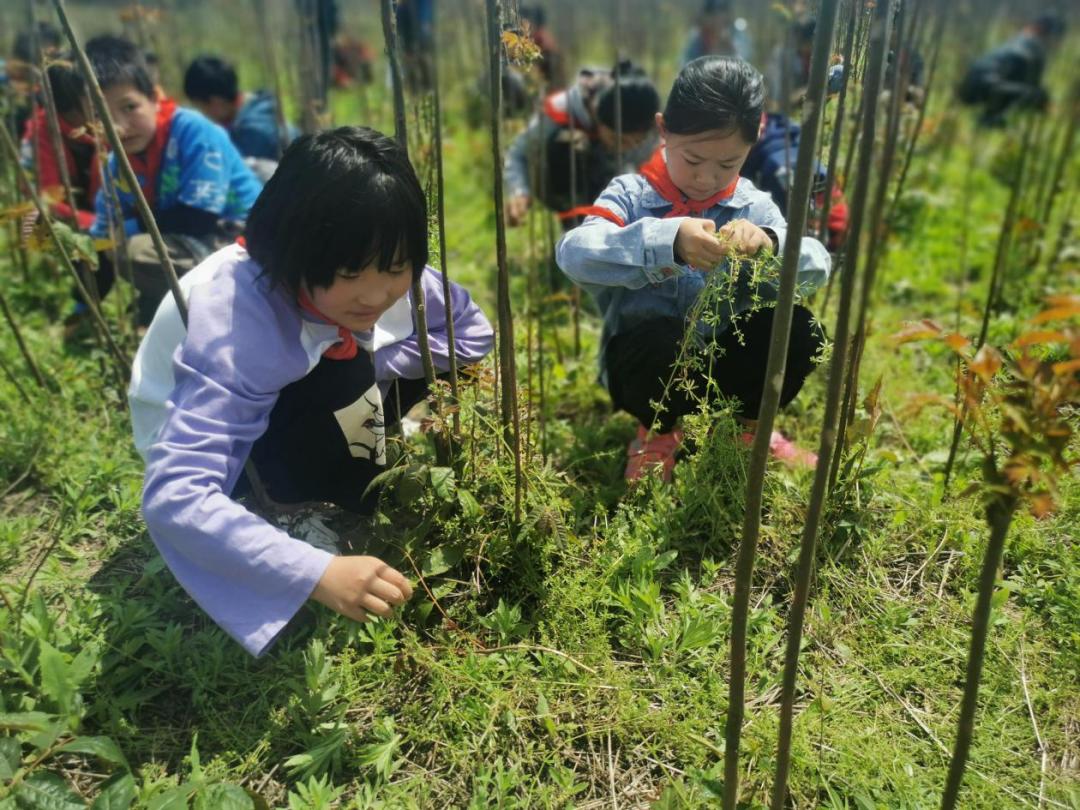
655,170
347,348
147,164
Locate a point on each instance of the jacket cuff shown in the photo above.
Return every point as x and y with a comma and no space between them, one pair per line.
659,254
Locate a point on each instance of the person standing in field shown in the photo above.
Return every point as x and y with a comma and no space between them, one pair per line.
578,125
299,352
1010,76
196,183
649,246
251,119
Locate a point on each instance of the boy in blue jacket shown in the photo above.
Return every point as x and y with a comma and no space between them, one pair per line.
196,183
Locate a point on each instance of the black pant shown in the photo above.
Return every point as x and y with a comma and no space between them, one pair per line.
640,363
313,451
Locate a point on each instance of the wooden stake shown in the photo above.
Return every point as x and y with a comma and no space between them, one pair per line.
770,401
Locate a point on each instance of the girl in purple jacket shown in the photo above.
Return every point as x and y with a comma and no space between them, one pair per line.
300,348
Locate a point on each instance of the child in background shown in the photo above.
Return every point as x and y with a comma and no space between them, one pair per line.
300,349
579,124
250,119
196,183
80,153
650,243
718,32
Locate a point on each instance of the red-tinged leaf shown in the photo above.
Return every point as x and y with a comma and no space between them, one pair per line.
1041,505
986,363
1027,224
958,343
871,402
1040,336
1064,300
916,331
1059,313
1066,367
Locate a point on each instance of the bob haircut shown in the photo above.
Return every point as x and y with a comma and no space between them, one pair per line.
341,199
68,87
119,61
721,93
640,101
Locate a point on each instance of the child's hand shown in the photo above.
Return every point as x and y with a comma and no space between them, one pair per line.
516,208
741,237
695,244
357,586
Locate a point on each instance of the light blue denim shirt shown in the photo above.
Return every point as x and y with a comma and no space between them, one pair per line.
631,271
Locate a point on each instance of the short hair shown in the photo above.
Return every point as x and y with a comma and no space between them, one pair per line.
48,36
640,101
1049,24
340,199
209,76
116,61
68,86
716,93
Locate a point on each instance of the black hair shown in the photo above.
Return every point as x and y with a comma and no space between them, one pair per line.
48,36
716,7
340,199
1049,24
804,30
640,101
716,92
536,16
209,76
68,86
116,60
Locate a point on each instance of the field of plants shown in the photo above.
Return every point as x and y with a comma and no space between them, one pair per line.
747,635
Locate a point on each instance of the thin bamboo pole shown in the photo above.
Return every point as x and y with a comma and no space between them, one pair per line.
838,124
440,206
508,402
812,520
774,375
24,350
270,64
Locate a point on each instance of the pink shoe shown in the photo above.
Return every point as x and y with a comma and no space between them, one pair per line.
782,448
645,453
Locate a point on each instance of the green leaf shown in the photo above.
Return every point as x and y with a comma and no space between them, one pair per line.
470,507
10,757
441,560
45,790
118,793
56,680
221,796
101,747
442,481
25,721
174,799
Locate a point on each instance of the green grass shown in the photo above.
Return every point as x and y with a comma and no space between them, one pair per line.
579,659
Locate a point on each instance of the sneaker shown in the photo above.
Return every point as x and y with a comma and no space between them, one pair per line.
648,451
309,527
785,450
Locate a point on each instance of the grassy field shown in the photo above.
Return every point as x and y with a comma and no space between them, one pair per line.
579,658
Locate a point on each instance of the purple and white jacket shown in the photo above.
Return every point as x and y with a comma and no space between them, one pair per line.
201,397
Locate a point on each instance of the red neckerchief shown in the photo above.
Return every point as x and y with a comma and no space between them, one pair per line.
347,348
48,168
148,163
655,170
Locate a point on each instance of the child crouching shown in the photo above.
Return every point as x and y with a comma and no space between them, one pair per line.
650,243
300,349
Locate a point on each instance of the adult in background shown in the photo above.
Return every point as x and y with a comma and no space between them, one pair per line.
1010,76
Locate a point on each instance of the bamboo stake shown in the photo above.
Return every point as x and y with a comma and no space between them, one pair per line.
509,405
65,259
999,514
132,182
440,205
878,235
812,521
838,124
24,350
270,64
15,382
774,375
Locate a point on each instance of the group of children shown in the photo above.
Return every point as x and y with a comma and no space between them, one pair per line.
300,349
